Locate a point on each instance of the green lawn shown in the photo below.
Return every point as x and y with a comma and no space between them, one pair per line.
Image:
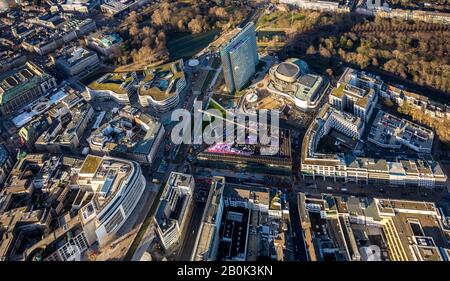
184,45
280,19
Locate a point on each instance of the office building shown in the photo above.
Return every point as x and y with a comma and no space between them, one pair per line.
207,240
345,167
107,44
174,209
319,5
76,61
341,228
115,86
66,130
112,188
6,163
357,93
392,132
239,58
128,133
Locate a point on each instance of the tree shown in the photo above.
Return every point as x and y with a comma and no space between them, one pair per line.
157,18
134,30
195,26
324,52
311,50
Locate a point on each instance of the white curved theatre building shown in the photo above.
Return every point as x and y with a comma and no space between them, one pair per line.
291,79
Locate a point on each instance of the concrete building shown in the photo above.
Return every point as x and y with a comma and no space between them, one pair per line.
356,93
106,44
22,85
76,6
44,40
348,168
430,107
251,223
77,60
127,134
417,15
32,225
207,241
174,209
239,58
355,96
117,7
392,132
370,229
65,132
320,5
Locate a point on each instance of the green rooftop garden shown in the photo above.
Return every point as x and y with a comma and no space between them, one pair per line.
112,82
339,91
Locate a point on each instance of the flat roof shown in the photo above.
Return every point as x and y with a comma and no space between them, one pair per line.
90,164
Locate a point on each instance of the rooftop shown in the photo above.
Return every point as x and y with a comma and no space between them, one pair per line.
103,177
75,55
160,82
115,82
90,164
18,80
126,131
392,131
106,40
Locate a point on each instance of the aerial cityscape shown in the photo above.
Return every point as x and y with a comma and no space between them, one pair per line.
224,130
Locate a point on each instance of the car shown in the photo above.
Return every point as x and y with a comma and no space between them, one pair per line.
329,188
344,189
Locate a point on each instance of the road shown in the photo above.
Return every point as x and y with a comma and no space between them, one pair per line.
191,232
299,242
393,192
